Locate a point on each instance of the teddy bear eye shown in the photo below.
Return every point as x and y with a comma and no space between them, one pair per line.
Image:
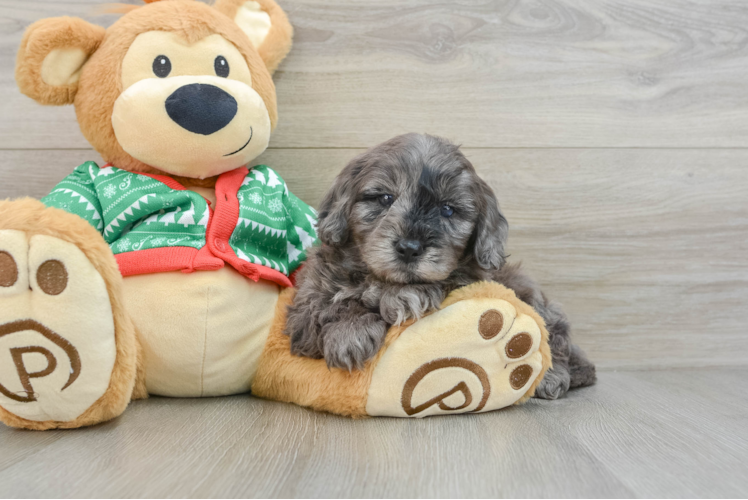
222,67
161,66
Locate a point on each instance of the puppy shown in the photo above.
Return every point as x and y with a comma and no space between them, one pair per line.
404,224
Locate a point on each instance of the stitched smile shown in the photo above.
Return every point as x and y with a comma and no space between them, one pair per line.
251,133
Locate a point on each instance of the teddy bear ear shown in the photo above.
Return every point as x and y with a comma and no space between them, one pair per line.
266,25
52,54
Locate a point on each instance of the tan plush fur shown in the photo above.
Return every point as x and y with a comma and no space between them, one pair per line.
308,382
32,217
100,83
277,44
40,39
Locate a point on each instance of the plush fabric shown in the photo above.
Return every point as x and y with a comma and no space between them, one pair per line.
189,19
33,218
66,298
447,362
209,341
477,291
276,44
62,66
57,40
451,334
153,224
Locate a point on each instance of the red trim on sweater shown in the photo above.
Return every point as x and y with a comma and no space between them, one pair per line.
223,225
156,260
188,260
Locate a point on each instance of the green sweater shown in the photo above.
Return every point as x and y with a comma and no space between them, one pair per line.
153,224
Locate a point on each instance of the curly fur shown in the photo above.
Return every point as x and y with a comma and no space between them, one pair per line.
356,285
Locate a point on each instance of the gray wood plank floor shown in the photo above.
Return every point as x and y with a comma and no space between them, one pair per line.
676,433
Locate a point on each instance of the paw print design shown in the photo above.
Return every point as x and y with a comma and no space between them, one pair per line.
57,342
475,355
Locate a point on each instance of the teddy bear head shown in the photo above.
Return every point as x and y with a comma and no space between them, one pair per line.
174,86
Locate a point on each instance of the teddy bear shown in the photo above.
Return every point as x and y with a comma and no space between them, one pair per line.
168,269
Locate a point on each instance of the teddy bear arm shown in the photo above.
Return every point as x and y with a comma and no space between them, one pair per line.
76,194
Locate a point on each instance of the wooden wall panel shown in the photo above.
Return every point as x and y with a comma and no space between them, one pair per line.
559,73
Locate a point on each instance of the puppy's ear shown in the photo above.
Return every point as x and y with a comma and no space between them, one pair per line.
52,54
266,25
334,210
491,230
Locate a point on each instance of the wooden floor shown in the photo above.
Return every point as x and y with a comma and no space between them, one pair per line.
676,433
615,134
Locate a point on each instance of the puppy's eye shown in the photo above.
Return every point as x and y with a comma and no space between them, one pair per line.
222,67
161,66
386,200
447,211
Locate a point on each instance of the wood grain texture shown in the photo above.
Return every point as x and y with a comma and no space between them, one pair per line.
674,433
646,249
663,73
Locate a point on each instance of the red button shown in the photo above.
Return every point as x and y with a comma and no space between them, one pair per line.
219,245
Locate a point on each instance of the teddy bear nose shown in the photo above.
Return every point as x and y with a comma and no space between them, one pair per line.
202,109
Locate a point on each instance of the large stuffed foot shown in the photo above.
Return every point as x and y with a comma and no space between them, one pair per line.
68,352
484,350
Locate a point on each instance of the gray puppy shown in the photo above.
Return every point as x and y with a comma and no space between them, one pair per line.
404,224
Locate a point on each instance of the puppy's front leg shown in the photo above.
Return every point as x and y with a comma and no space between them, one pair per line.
399,303
354,337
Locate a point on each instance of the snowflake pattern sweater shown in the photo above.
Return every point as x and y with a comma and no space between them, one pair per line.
153,224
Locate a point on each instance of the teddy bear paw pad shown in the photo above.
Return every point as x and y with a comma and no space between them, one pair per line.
473,356
57,344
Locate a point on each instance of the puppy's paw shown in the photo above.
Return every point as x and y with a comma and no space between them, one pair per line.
348,344
304,333
398,304
554,385
305,342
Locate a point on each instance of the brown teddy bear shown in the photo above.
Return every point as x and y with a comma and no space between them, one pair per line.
168,270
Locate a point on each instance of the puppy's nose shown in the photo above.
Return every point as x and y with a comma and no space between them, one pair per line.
202,109
409,250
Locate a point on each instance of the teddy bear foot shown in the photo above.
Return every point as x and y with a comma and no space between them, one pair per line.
61,352
482,352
